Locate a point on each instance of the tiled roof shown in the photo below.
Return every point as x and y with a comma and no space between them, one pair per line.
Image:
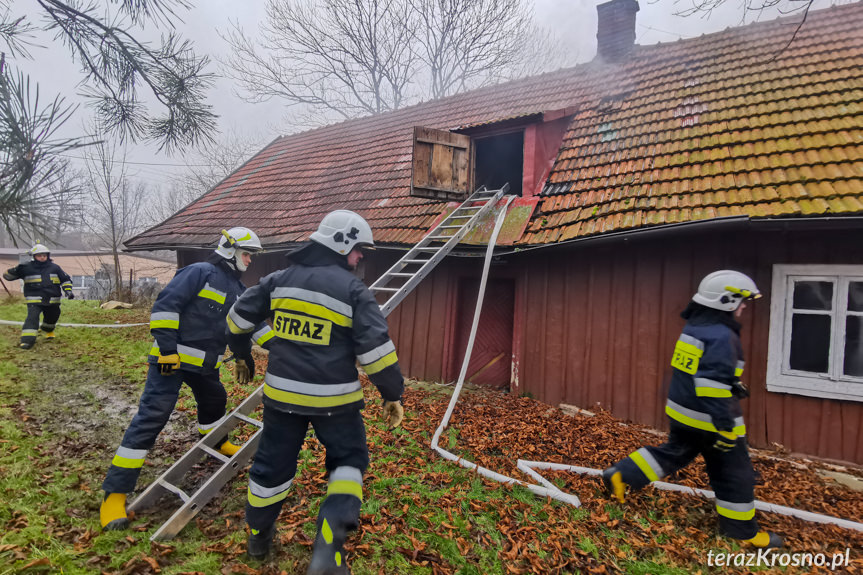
731,123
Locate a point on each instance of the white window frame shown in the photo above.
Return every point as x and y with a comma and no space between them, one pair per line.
780,377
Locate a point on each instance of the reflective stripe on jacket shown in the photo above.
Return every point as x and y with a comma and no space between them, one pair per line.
188,317
707,362
44,282
324,320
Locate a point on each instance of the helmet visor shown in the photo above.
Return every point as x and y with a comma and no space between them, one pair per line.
743,293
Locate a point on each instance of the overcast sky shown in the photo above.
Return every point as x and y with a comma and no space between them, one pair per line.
574,21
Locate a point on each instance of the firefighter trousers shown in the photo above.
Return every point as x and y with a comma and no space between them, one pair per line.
157,402
731,474
344,439
50,314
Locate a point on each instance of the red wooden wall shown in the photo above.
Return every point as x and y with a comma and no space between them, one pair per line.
596,323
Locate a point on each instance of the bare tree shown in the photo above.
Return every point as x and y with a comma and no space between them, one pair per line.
348,58
208,166
468,43
706,7
115,65
117,202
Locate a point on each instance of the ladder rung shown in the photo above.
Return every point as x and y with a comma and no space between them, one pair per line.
440,237
385,289
428,249
401,275
254,422
210,451
414,261
448,227
173,489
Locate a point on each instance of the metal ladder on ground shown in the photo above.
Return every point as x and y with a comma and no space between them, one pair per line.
394,285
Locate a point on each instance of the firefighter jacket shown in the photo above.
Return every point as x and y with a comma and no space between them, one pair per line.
707,362
325,320
43,281
188,317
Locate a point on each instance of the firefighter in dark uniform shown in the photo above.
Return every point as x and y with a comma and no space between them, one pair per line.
704,410
325,320
188,323
43,282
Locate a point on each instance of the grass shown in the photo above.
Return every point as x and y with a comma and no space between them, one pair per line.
66,403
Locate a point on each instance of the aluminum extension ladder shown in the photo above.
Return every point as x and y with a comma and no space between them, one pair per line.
398,281
395,284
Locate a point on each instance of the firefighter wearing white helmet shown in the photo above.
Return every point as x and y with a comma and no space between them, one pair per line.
325,322
704,410
44,282
725,290
188,325
236,242
342,230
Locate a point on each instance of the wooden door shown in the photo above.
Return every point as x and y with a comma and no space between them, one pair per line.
491,360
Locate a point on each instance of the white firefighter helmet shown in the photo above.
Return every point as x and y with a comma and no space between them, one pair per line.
39,249
342,231
235,240
725,289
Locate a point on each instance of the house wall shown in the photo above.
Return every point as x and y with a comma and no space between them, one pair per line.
596,323
610,320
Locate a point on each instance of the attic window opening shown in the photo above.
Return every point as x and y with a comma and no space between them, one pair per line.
499,160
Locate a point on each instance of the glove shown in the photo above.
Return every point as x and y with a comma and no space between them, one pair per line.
244,370
168,363
70,295
725,441
739,390
394,413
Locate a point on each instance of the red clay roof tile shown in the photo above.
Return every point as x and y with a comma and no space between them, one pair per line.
732,123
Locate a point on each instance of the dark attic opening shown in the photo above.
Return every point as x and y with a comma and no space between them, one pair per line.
499,160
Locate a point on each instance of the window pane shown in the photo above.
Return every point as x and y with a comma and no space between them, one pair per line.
854,346
810,342
855,296
813,295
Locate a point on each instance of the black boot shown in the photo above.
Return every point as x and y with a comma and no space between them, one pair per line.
328,557
261,543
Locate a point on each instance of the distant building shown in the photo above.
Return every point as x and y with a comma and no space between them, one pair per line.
92,272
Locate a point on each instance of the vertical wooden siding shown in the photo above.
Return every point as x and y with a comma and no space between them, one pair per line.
600,323
597,325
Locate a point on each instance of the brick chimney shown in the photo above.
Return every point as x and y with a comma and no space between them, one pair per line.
615,34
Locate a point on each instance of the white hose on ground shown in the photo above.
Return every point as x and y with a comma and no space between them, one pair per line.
20,323
529,466
485,472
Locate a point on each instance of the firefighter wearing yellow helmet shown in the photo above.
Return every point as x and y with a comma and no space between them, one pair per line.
44,281
188,325
704,410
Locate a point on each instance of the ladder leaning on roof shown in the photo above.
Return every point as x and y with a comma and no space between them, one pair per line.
394,285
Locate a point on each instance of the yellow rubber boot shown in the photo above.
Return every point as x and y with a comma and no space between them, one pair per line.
49,335
766,539
112,513
613,481
228,449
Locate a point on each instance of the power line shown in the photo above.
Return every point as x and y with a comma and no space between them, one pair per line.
146,163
